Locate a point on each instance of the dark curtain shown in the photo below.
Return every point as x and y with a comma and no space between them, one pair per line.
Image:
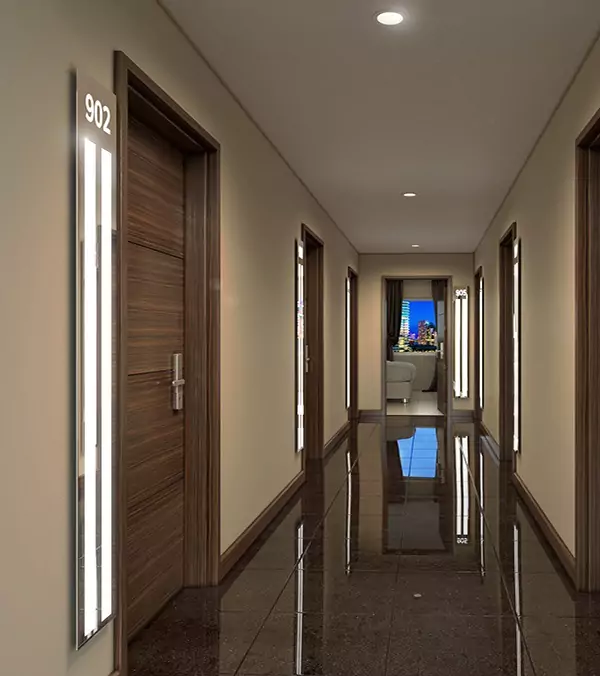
438,289
393,292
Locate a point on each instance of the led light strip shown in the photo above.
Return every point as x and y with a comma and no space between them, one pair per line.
348,512
461,457
461,343
299,598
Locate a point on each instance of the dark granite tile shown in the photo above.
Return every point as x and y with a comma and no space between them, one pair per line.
335,592
253,590
336,555
450,594
466,646
439,563
329,645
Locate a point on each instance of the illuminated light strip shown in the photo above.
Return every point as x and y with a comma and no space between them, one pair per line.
457,352
90,384
461,343
300,598
481,343
348,323
300,321
106,349
517,577
481,519
464,343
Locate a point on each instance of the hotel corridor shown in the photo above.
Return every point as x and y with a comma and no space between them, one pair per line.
384,563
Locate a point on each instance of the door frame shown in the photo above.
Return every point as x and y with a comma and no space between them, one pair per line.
136,92
314,405
353,408
506,376
479,338
449,342
587,357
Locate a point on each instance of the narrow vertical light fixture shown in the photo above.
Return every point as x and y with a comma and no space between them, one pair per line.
106,365
96,227
461,343
299,598
481,518
90,385
517,583
348,512
300,347
461,463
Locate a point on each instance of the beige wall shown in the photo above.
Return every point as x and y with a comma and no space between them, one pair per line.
542,203
373,267
263,206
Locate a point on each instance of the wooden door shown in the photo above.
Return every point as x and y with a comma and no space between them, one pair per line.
154,452
314,384
441,364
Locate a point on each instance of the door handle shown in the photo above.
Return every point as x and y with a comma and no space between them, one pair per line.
306,359
178,382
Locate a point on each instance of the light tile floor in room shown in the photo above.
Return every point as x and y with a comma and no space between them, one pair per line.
421,403
406,553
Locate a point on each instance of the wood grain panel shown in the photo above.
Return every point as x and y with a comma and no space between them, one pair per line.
154,554
154,451
156,320
156,191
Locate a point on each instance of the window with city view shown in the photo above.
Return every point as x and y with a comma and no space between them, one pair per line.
418,332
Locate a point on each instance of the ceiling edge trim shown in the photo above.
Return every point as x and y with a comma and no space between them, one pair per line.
213,70
541,136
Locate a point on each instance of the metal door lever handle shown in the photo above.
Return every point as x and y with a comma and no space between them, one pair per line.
178,382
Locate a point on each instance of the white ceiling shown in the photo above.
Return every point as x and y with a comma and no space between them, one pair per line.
448,104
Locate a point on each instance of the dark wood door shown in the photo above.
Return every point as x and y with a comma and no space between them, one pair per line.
441,364
154,453
314,394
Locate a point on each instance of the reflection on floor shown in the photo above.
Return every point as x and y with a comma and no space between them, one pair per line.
384,564
421,403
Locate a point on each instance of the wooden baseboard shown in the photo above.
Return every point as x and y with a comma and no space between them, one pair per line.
374,415
236,550
492,444
552,537
336,439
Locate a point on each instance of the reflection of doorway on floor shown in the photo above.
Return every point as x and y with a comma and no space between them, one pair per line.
421,403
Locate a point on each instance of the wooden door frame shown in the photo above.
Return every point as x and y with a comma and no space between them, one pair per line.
587,358
506,380
137,93
315,406
448,343
479,337
353,409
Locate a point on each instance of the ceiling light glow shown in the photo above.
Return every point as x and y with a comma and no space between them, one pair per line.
415,246
390,18
410,194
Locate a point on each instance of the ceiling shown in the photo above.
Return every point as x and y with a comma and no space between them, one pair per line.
448,104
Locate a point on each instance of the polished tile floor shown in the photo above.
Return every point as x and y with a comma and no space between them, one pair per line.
421,403
384,564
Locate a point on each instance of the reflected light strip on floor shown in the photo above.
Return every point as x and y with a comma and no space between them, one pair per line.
348,512
461,452
481,519
299,597
517,577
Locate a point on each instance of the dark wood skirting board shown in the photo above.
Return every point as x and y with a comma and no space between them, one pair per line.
373,415
336,439
236,550
552,537
488,438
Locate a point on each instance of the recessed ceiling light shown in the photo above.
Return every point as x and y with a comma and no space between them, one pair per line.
415,246
410,194
389,18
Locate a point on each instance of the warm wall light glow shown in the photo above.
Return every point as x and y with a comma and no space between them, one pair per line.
517,582
90,385
461,343
348,512
390,18
461,464
299,598
481,508
300,348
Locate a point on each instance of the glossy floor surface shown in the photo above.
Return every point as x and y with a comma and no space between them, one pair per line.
384,564
421,403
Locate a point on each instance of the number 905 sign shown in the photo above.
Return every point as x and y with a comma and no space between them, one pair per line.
97,113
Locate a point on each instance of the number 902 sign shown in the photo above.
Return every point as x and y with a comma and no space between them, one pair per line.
97,113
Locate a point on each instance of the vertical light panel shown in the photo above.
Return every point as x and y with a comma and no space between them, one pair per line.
481,518
481,341
96,225
300,347
517,582
461,463
106,359
348,512
516,348
90,385
348,338
461,343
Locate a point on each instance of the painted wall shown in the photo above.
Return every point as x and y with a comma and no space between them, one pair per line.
373,268
542,203
263,206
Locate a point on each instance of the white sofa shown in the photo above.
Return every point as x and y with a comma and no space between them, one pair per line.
399,378
425,364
